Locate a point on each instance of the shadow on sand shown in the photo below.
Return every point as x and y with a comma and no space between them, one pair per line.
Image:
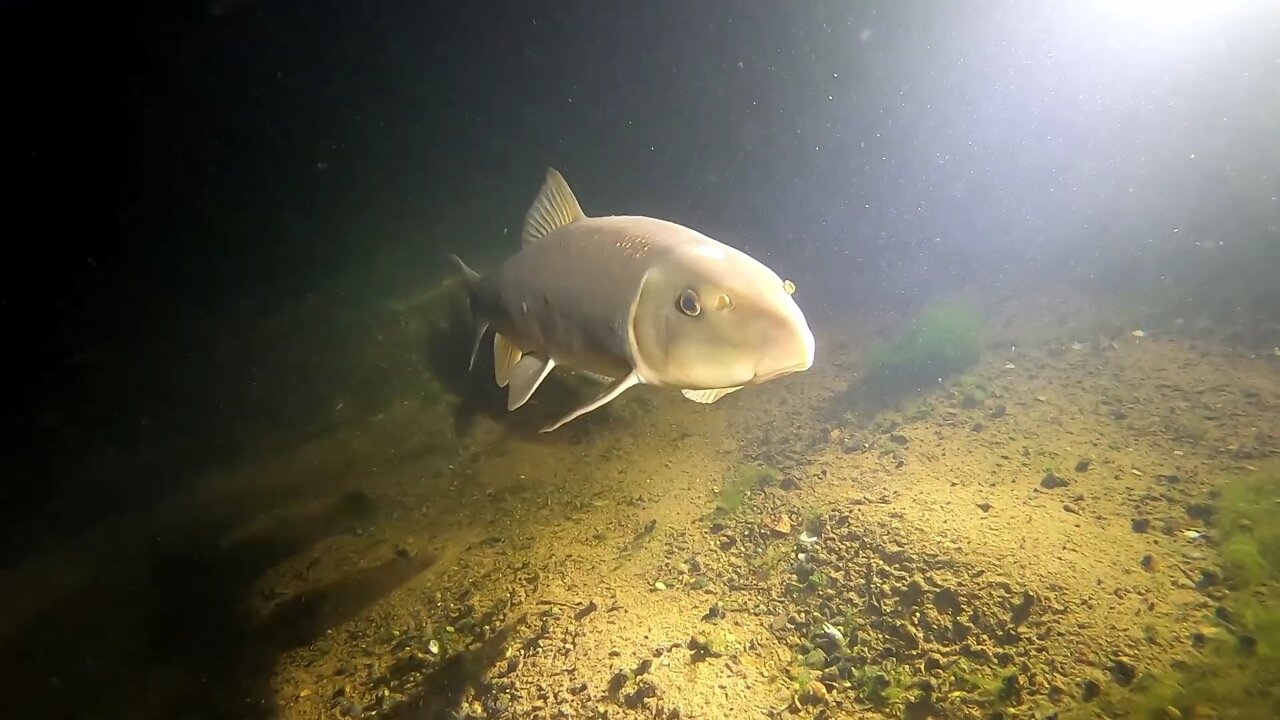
168,633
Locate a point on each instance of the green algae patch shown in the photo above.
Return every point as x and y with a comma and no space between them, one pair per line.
1234,669
943,340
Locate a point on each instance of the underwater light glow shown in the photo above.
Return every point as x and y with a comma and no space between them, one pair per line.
1171,15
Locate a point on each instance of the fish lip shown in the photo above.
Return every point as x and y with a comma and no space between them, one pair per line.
788,370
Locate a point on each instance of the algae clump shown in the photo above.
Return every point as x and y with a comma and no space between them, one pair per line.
943,340
1245,517
745,479
1236,670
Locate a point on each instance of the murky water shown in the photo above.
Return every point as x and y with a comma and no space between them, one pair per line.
1032,472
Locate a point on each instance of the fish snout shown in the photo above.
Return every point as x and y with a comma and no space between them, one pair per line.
789,350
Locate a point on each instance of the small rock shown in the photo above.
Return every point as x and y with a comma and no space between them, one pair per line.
977,427
898,439
659,585
1071,508
1150,563
1083,465
998,411
780,525
1022,611
1200,511
984,506
1140,525
618,681
1208,578
1089,690
815,693
816,659
1248,644
1123,671
1051,481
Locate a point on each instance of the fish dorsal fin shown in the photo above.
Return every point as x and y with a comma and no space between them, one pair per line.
505,357
707,397
554,208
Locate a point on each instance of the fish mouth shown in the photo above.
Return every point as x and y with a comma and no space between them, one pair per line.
780,372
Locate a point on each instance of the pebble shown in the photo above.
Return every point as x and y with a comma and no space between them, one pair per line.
814,694
1051,481
659,585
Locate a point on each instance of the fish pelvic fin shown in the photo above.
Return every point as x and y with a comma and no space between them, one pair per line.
525,377
472,279
505,357
706,397
553,208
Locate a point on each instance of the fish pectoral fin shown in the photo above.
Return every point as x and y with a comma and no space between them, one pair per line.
505,357
525,378
554,208
707,397
481,328
617,388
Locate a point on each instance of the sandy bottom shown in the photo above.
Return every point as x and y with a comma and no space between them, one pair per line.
1029,541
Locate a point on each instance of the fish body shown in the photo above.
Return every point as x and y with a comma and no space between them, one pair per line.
633,300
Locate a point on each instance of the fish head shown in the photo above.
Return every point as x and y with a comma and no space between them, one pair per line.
710,317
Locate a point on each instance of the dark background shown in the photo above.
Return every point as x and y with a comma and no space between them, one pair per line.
180,173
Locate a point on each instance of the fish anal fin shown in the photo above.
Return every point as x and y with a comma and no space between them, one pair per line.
525,377
505,357
618,387
707,397
554,207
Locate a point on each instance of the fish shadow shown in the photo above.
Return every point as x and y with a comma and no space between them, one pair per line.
443,350
169,631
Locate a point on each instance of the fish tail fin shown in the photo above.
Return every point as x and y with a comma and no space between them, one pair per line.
472,279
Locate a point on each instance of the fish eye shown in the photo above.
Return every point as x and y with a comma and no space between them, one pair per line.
724,302
788,287
688,303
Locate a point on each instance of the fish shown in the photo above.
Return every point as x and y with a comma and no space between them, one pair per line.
631,300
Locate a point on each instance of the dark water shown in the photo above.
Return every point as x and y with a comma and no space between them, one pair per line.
218,213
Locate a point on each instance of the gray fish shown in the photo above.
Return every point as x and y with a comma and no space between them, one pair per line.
632,300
